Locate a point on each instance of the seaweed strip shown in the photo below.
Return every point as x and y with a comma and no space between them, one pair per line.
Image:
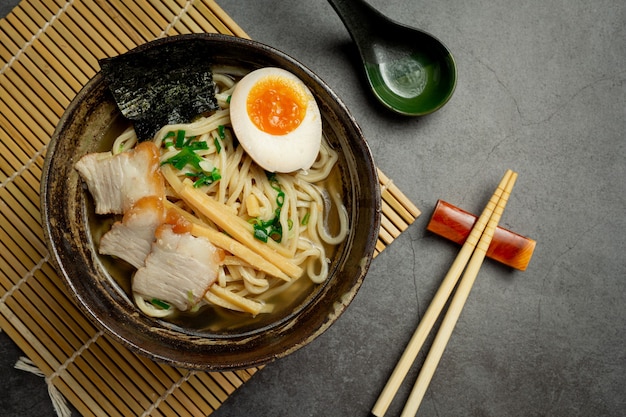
160,86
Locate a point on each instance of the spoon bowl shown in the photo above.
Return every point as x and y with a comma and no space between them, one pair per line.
410,71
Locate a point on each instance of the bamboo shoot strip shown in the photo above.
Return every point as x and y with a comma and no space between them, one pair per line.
436,305
221,216
240,303
456,305
232,224
230,245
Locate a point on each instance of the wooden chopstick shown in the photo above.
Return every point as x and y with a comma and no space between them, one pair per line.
456,305
495,205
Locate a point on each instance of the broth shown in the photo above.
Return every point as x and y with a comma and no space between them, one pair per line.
209,318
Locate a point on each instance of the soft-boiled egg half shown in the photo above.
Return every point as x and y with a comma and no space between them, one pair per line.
276,120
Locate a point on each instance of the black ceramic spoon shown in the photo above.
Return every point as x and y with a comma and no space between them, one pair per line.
409,70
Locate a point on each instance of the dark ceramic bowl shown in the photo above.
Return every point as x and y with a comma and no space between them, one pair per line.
90,124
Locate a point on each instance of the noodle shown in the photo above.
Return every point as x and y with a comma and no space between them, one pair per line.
298,205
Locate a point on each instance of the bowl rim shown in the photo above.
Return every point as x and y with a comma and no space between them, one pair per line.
205,360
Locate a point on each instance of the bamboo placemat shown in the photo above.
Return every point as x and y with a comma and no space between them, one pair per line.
48,50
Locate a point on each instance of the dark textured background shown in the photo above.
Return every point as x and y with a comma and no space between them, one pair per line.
540,90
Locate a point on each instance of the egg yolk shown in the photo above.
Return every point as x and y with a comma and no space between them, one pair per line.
276,106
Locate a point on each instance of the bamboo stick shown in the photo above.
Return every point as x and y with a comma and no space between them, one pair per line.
403,205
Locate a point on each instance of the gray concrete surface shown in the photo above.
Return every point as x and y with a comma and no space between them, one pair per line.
541,90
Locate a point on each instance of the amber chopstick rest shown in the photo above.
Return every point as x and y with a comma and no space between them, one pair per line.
506,247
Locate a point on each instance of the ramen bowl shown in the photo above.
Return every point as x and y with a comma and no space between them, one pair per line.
90,124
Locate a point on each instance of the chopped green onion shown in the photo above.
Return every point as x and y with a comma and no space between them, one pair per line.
180,138
198,145
184,157
192,303
272,228
280,199
218,146
305,219
161,304
205,178
168,143
260,233
271,177
220,132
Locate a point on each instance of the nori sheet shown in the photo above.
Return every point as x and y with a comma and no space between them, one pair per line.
159,86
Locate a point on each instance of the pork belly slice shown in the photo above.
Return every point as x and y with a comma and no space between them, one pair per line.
131,239
116,182
179,269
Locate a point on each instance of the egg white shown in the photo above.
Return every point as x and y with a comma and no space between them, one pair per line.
290,152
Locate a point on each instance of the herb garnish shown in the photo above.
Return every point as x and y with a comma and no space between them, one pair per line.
188,157
160,304
272,228
205,178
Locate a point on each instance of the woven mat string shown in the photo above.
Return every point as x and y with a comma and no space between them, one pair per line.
167,393
35,36
188,5
22,280
58,400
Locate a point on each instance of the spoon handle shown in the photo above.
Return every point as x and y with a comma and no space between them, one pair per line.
357,16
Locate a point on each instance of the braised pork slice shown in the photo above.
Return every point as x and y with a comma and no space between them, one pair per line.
116,182
179,269
131,239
